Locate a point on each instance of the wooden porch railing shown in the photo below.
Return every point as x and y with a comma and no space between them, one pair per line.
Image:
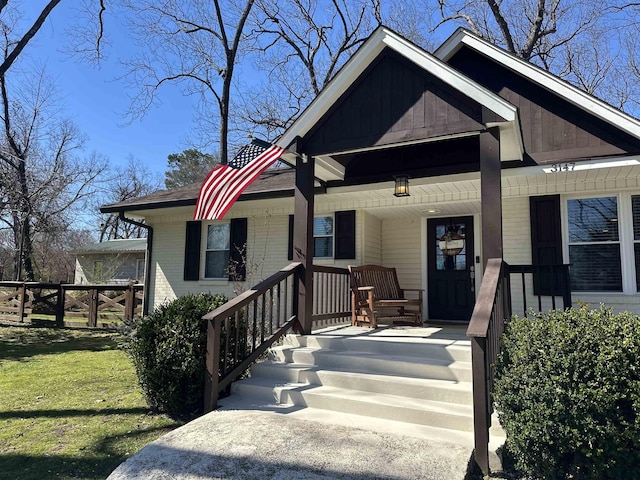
69,305
543,285
331,295
492,307
242,329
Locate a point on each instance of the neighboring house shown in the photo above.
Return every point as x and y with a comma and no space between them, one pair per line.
114,261
568,192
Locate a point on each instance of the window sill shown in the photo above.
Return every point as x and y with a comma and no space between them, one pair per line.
214,281
600,294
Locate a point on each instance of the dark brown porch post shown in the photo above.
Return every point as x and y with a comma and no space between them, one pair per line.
491,194
303,238
491,197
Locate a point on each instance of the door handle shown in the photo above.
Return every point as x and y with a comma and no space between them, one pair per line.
472,277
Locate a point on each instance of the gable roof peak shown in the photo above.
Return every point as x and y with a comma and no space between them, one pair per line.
547,80
384,38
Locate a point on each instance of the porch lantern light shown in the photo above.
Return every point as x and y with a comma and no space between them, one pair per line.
402,186
451,243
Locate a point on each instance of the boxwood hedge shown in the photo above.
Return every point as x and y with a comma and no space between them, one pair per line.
568,394
168,349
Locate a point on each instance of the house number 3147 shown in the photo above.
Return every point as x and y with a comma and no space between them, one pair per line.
563,167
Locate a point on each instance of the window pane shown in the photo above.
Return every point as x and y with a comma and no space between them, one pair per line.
635,208
595,268
140,270
218,237
593,219
97,269
323,247
450,262
216,264
323,226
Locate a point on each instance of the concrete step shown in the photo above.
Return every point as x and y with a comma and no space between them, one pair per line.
369,362
423,388
239,401
456,349
389,407
410,381
331,417
263,391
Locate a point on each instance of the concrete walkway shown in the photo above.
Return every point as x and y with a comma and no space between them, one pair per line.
245,442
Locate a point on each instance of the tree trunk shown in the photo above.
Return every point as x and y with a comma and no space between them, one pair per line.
26,242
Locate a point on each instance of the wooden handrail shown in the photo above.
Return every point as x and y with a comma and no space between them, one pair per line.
248,296
492,308
252,303
330,269
481,316
242,330
559,284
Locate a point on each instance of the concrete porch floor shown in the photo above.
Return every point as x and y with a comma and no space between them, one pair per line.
246,440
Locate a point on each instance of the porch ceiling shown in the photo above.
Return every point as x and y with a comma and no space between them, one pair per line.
456,195
437,196
435,210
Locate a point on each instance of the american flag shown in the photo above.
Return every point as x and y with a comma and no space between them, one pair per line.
225,183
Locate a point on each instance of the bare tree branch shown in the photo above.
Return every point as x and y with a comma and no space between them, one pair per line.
19,47
192,44
302,44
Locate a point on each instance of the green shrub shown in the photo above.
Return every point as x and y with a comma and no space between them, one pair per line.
568,394
168,349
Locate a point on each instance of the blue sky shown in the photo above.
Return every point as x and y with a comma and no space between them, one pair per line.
96,100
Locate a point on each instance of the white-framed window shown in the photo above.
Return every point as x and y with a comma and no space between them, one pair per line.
635,215
216,256
98,269
323,236
140,269
594,244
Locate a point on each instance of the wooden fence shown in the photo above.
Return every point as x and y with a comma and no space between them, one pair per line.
103,306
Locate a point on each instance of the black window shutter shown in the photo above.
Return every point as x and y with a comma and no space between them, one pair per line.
345,234
238,246
290,248
546,243
192,250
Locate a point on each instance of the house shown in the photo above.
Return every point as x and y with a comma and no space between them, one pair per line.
504,163
114,261
570,182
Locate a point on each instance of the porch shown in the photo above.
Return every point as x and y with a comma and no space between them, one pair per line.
436,376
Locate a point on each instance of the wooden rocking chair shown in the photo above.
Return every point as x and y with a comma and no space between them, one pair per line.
376,295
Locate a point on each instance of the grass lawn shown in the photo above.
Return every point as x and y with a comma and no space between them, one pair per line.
70,405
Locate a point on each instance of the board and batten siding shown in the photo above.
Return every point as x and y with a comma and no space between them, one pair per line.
401,249
392,101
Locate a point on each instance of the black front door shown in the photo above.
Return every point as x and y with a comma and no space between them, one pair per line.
451,268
